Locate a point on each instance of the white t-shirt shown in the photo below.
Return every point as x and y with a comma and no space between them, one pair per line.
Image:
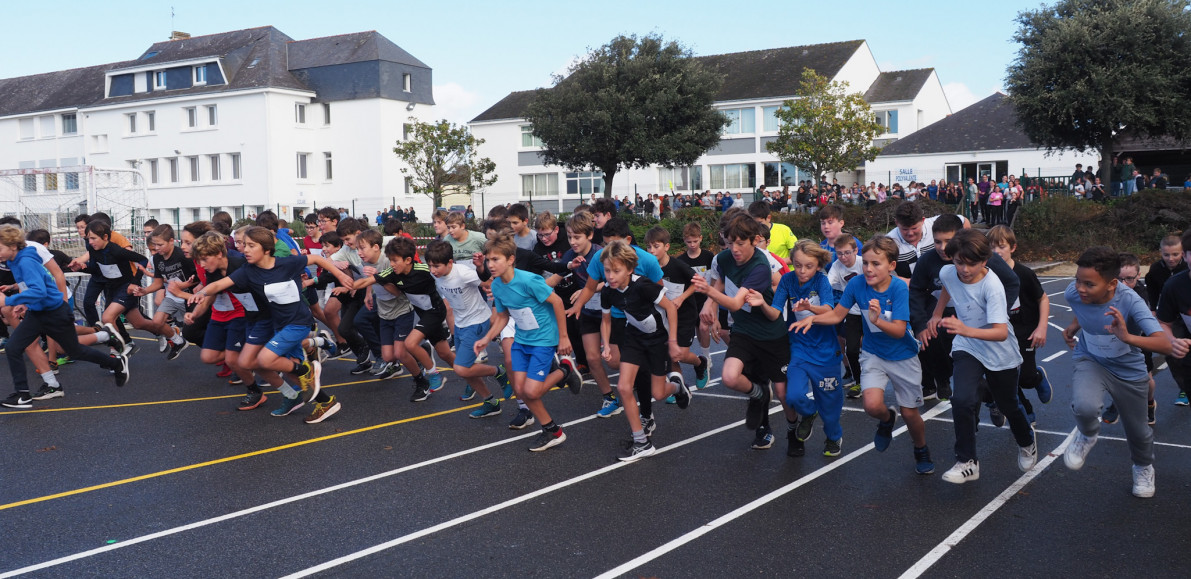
461,289
839,275
908,254
979,305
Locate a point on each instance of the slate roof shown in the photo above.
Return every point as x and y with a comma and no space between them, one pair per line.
897,85
755,74
347,48
49,91
988,125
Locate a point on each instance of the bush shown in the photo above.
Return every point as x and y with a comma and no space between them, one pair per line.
1060,228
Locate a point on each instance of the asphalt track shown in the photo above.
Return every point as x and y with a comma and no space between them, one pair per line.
165,478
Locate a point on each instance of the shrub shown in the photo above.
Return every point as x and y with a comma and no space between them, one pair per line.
1060,228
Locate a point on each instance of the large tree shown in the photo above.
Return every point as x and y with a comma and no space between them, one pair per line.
440,154
633,102
827,129
1089,69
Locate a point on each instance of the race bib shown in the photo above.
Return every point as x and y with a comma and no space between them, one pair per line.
222,303
247,301
1105,345
1186,320
886,315
673,290
524,318
648,326
731,289
109,271
593,303
422,302
281,293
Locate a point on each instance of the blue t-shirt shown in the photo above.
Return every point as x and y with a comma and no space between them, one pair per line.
895,305
647,266
1120,359
524,298
820,344
980,305
279,287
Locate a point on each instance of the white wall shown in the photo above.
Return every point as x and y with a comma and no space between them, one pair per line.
860,70
933,166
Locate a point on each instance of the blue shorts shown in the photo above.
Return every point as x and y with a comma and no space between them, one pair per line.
259,332
465,336
122,297
535,361
224,336
397,329
287,342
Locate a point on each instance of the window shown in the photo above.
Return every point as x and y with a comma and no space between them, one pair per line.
26,129
173,169
70,124
407,131
99,143
409,185
191,117
215,174
235,166
740,121
327,160
131,123
585,183
30,183
153,171
194,168
300,114
212,118
887,119
782,174
200,74
527,137
151,121
303,159
326,113
159,80
769,121
736,176
48,126
407,82
51,181
72,181
680,178
540,185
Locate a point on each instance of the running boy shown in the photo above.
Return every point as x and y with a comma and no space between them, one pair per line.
678,279
169,265
845,267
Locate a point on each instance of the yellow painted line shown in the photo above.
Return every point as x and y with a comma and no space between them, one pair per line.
230,458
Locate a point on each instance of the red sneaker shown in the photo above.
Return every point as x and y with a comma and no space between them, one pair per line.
224,371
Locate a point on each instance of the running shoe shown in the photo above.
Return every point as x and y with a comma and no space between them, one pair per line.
1182,400
930,393
309,381
638,451
573,379
502,378
176,350
390,370
288,406
1152,410
18,400
252,400
224,371
47,392
610,408
833,448
64,360
378,368
329,349
421,392
995,415
763,440
323,411
922,462
488,408
436,381
362,367
794,447
806,427
548,439
163,344
702,372
523,419
884,435
468,393
852,392
1077,451
1044,390
683,394
342,350
671,399
115,340
649,424
1110,415
1027,456
1143,481
757,408
122,373
945,392
963,472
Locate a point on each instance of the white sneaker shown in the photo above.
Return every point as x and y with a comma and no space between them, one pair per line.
1078,450
963,472
1143,481
1027,456
163,344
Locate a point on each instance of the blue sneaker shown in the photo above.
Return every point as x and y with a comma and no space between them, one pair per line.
922,462
436,381
502,378
884,434
1182,400
488,408
1044,390
610,408
468,393
671,399
288,406
702,372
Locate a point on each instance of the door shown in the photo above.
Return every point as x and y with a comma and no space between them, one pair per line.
985,170
952,173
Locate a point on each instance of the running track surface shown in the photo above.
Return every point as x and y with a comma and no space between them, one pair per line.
165,478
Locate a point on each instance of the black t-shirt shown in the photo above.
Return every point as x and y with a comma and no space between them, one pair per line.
554,253
176,267
579,278
1156,279
1175,303
1024,312
645,321
676,278
700,264
278,288
419,287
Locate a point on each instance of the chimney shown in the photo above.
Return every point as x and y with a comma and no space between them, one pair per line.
178,35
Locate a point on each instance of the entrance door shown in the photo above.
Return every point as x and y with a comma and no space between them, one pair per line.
985,170
952,173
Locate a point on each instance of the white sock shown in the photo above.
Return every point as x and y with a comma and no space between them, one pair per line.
177,339
103,336
433,369
50,379
521,404
320,342
288,391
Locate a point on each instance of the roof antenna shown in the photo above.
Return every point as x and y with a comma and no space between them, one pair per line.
171,20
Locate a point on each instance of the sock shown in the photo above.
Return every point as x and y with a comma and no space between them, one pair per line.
551,427
521,405
322,397
420,379
288,391
610,396
50,379
491,400
757,393
319,342
177,339
433,369
299,369
791,426
639,436
102,336
253,388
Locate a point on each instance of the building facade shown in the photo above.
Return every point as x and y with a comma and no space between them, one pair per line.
240,121
755,85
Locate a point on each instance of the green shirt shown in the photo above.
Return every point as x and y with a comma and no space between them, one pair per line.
752,274
473,243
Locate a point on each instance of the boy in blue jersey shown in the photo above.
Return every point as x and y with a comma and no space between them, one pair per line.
1114,325
526,300
889,355
813,387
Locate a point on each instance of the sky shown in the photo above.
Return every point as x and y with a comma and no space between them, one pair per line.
480,51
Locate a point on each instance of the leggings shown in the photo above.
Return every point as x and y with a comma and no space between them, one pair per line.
57,324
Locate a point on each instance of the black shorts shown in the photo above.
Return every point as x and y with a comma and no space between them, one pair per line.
119,295
311,296
764,360
653,358
588,325
687,326
434,329
724,324
617,336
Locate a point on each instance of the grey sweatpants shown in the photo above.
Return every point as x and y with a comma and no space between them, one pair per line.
1089,382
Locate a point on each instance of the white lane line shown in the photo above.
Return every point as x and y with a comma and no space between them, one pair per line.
1056,294
983,514
1056,326
501,506
1054,305
701,394
1054,280
747,508
274,504
1054,355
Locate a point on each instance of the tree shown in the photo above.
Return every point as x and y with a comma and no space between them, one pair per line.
633,102
442,154
827,130
1088,69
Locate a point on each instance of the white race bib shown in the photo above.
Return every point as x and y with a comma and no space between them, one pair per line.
422,302
222,303
673,290
281,293
110,271
730,290
1104,345
247,301
523,318
886,315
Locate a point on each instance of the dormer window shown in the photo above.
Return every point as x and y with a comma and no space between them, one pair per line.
159,80
200,74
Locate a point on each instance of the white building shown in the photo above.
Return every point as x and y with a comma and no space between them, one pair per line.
239,121
981,139
755,85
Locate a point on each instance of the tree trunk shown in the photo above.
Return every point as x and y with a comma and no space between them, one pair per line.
608,176
1106,165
